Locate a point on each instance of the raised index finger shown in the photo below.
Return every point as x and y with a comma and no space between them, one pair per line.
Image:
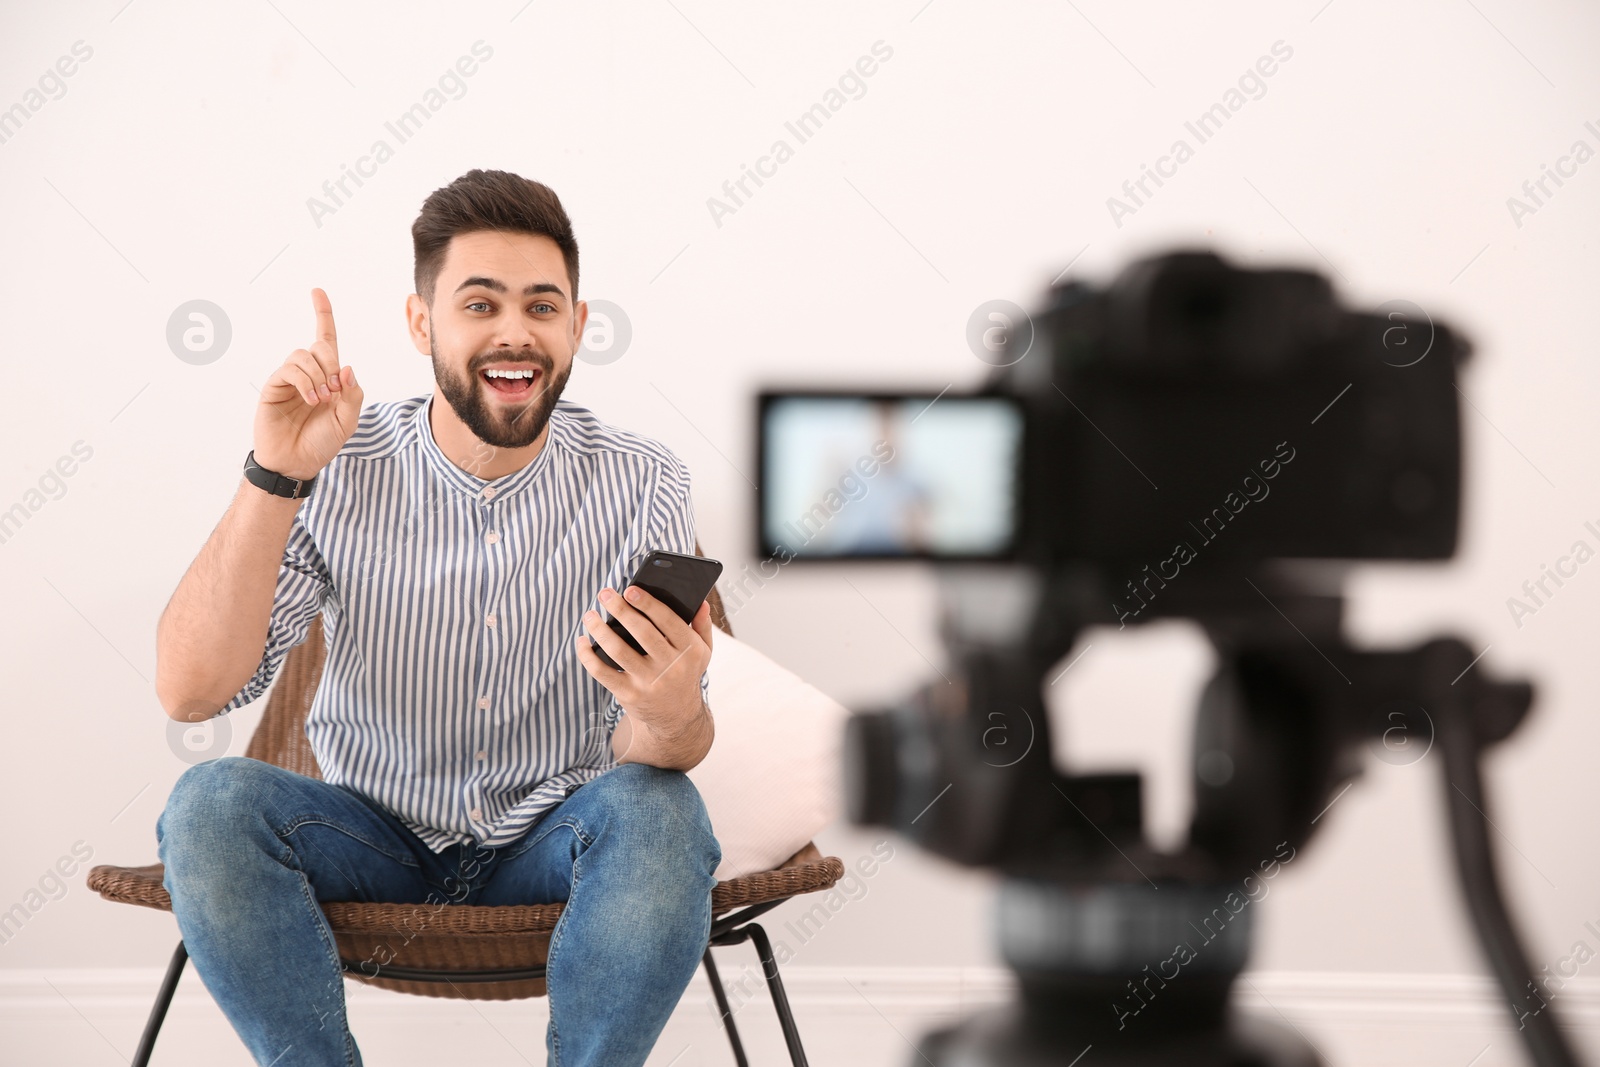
324,309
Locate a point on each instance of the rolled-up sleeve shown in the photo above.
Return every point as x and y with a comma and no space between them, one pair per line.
304,583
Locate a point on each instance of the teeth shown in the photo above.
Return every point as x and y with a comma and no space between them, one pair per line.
509,373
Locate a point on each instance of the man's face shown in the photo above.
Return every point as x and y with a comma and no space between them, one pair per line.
503,302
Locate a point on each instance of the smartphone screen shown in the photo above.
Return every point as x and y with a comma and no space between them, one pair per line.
680,581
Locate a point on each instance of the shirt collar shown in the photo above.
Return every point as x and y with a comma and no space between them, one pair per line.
469,483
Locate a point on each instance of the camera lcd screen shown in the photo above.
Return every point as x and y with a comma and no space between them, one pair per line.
876,476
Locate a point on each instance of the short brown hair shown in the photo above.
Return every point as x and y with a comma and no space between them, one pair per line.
488,200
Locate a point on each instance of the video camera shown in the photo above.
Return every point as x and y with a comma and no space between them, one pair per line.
1193,440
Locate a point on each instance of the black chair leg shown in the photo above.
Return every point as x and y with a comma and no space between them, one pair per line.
727,1012
169,985
780,1000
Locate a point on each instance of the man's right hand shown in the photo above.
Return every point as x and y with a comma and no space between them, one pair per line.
310,405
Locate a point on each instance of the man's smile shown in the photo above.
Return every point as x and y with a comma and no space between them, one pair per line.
512,381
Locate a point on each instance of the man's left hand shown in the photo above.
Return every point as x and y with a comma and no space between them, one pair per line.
659,689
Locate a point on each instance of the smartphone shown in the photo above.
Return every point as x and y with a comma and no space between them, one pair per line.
681,582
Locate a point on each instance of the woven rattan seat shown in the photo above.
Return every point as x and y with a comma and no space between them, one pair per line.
471,936
462,951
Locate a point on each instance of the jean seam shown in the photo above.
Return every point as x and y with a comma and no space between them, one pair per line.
540,832
320,820
332,948
559,933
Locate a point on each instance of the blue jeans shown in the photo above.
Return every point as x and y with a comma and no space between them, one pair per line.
250,849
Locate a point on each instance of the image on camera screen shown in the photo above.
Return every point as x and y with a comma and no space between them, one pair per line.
873,476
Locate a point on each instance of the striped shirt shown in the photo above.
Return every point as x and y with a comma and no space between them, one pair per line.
452,692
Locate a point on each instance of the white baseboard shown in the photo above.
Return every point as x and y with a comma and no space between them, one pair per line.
867,1015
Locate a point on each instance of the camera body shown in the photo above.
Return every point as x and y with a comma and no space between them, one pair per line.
1193,409
1175,441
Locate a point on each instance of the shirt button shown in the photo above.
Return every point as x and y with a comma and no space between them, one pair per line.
476,813
491,537
489,619
488,494
483,702
482,754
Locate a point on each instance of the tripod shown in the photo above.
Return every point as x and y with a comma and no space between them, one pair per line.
1125,955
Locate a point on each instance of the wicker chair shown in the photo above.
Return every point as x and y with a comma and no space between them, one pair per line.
470,952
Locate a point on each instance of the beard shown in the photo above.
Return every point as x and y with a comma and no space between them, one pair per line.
492,421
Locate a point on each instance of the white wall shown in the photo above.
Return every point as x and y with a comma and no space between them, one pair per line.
179,162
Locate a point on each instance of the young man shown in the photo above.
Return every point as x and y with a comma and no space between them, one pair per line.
474,747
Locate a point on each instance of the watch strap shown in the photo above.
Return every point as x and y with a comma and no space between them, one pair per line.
275,483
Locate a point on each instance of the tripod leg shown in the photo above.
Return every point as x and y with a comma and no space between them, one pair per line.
727,1012
169,985
780,999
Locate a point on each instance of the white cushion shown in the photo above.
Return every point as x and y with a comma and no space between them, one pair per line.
772,779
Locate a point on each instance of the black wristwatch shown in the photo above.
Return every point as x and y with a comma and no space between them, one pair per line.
275,483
